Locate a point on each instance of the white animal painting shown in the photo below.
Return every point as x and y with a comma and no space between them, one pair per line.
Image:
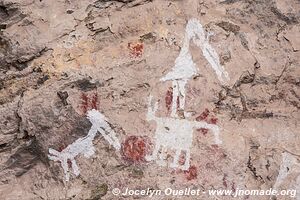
175,134
84,146
185,68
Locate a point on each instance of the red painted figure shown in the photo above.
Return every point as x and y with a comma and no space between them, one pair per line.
169,98
89,101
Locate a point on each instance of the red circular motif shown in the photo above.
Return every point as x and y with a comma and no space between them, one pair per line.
135,148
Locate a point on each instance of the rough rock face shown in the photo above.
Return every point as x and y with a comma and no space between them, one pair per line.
61,59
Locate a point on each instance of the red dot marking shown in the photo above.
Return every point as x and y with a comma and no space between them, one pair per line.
169,98
204,131
135,50
213,120
69,163
178,102
204,117
191,173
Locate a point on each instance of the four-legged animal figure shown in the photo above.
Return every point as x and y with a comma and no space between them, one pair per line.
85,145
175,134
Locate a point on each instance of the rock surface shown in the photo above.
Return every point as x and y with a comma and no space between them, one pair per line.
59,59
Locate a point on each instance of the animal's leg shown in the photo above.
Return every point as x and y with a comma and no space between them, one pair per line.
54,158
64,164
162,156
151,111
54,152
75,167
154,153
181,89
53,155
214,128
186,165
103,133
174,99
216,131
110,137
174,164
115,141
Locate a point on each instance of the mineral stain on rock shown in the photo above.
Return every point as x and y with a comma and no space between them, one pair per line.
43,79
63,95
85,84
26,158
228,26
60,59
99,191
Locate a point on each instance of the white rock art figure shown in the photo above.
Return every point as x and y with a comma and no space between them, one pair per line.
84,145
185,68
175,134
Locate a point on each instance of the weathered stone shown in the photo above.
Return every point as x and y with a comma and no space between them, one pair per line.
76,80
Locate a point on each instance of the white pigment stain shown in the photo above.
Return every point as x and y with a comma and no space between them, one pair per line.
289,162
84,146
298,188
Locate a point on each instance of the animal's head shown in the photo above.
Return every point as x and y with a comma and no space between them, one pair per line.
195,31
95,116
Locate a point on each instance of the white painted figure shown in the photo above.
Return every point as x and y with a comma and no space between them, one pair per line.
185,68
84,146
175,134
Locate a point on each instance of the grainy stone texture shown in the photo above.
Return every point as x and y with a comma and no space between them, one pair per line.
59,59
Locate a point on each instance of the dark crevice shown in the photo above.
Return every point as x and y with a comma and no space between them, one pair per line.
230,1
9,14
86,84
29,151
251,167
63,95
288,18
